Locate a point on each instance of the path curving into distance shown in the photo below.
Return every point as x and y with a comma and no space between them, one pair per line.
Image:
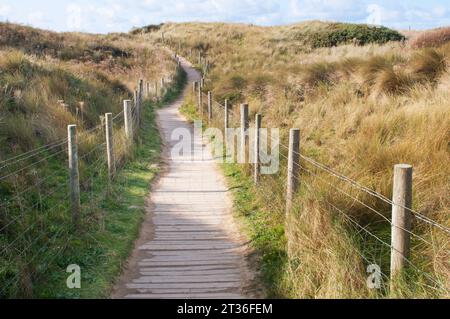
189,246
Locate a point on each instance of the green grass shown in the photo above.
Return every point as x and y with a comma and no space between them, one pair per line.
189,109
110,219
263,227
104,243
103,247
174,91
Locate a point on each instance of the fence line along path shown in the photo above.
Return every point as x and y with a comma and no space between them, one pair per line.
189,246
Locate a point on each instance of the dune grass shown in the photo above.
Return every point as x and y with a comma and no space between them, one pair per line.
110,224
361,110
44,90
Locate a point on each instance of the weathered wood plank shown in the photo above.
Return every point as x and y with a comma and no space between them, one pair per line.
230,271
186,285
193,257
187,279
188,263
185,296
184,267
192,249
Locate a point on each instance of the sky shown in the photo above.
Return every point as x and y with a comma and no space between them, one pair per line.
103,16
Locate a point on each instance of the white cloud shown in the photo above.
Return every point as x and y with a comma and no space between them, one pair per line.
37,18
74,17
114,15
375,14
401,16
4,10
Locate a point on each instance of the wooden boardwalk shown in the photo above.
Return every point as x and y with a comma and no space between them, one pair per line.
189,246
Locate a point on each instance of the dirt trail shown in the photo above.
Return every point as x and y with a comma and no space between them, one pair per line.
189,245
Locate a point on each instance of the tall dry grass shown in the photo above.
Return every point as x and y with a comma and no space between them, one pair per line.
48,81
432,38
361,110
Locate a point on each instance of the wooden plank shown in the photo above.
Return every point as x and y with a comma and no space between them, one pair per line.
187,217
185,247
188,263
185,285
187,279
230,271
197,228
187,268
185,296
194,251
189,251
191,242
190,237
193,257
187,223
187,233
182,291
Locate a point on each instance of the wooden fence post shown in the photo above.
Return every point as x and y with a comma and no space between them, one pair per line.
244,134
202,82
163,87
401,218
110,145
200,100
156,88
226,116
194,87
141,89
141,98
293,167
137,106
210,111
258,121
128,118
74,174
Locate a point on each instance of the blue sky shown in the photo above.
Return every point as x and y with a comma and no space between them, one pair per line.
102,16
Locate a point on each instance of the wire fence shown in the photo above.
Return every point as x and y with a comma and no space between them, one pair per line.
36,224
374,246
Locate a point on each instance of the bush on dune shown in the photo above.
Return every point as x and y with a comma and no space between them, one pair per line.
335,34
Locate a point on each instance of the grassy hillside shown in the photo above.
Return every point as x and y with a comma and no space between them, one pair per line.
47,82
362,107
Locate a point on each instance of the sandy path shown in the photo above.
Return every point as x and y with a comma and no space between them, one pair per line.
189,245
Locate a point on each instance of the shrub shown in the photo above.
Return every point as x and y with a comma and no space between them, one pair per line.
361,34
147,29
